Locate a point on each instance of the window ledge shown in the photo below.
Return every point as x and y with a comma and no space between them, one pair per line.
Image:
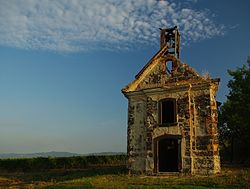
168,124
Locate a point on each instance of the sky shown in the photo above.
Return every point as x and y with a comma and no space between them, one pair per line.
63,64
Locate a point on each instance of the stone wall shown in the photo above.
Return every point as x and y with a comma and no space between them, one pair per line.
196,126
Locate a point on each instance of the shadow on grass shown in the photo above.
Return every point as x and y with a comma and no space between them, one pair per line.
63,175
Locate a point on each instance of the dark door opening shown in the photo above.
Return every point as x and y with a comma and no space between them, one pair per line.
168,155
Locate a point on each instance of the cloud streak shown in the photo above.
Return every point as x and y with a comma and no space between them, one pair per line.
83,25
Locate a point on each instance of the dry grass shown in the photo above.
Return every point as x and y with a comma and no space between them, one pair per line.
118,178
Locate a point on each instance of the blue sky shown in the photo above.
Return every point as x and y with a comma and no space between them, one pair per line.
63,64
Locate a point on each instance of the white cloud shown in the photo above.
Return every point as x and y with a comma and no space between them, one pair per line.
81,25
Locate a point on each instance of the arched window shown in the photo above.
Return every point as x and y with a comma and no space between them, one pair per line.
167,112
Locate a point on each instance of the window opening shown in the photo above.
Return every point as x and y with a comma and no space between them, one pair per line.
168,111
168,67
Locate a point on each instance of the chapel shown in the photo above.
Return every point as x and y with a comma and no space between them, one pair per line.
172,115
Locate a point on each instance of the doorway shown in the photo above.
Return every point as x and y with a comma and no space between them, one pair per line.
168,155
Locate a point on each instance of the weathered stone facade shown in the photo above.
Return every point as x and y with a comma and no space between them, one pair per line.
189,140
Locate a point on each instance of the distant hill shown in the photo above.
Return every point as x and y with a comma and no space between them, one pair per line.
53,154
40,154
106,154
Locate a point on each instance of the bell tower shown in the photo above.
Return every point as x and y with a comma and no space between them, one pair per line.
170,38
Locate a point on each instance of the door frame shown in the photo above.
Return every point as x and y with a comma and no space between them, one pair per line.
156,151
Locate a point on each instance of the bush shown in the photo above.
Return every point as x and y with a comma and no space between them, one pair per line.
44,164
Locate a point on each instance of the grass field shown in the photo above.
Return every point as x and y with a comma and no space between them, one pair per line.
117,177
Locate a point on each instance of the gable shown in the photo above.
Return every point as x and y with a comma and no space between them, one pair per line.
148,69
155,73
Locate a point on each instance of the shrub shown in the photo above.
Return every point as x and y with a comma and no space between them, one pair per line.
45,164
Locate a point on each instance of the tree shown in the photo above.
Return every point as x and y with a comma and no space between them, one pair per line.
234,123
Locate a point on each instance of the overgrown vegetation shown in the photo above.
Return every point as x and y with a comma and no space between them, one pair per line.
44,164
234,117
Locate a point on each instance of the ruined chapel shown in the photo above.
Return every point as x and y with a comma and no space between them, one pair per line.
172,115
